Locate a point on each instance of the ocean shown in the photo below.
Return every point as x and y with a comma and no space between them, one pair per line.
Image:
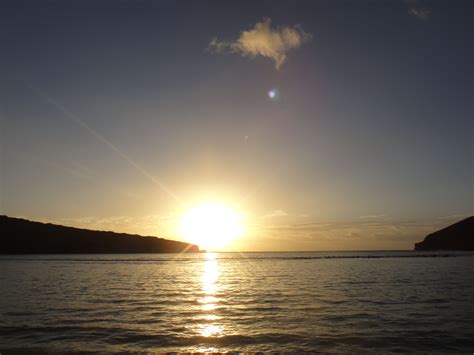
331,302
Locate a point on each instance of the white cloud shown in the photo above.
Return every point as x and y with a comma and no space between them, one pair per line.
422,13
263,40
417,9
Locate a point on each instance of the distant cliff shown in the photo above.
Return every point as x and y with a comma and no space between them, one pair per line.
20,236
458,236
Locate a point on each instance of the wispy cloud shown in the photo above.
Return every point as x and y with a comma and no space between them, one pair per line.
457,216
374,234
153,225
276,213
372,216
423,13
265,41
419,10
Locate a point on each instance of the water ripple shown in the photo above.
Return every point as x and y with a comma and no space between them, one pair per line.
320,302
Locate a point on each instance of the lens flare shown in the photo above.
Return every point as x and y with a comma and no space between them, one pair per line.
273,94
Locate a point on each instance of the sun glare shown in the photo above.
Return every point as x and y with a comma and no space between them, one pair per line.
211,226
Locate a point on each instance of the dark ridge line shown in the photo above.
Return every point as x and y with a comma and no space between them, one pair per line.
20,236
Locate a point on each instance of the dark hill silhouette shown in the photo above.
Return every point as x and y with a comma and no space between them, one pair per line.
20,236
458,236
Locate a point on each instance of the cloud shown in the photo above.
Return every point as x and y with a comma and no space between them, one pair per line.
417,9
151,225
370,234
263,40
422,13
276,213
458,216
373,216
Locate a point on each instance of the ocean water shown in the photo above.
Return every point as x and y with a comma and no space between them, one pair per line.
344,302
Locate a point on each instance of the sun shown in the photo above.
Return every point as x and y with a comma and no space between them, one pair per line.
211,226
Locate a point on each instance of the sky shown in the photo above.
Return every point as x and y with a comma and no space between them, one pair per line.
329,125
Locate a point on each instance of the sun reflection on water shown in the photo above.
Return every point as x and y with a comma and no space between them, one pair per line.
211,330
209,302
210,275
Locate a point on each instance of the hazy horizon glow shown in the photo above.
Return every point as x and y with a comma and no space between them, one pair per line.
333,126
